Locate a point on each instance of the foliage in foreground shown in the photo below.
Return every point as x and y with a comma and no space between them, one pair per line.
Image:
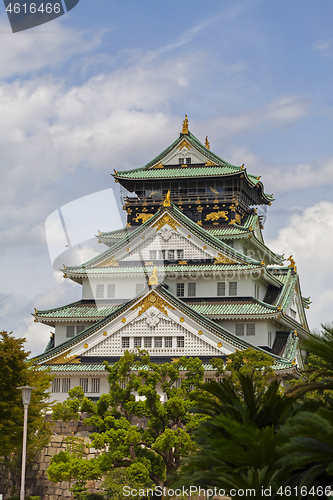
16,371
149,454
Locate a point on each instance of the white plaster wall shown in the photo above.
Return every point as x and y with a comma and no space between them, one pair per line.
125,287
75,381
261,330
61,330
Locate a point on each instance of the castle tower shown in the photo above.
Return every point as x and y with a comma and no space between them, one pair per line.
190,275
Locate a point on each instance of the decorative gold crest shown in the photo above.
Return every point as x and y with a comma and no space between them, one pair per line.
167,202
185,126
159,165
223,259
152,299
153,280
166,219
217,215
110,262
64,358
207,143
142,217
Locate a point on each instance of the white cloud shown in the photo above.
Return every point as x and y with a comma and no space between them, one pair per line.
43,47
324,47
309,238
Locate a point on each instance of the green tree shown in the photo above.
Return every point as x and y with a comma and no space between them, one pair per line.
150,452
239,445
16,371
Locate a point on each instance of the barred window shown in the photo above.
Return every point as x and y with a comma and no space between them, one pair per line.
95,385
180,341
157,341
161,254
147,342
139,287
125,342
256,291
178,383
99,291
137,342
180,254
111,291
79,329
250,329
152,254
66,384
180,289
191,289
56,385
167,341
124,383
188,161
221,289
181,161
84,384
233,288
240,329
171,254
70,331
269,339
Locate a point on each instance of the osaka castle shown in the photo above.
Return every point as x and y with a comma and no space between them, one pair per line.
189,275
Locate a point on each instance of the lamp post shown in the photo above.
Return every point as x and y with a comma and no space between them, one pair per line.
26,395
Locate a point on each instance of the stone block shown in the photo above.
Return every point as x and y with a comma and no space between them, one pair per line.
67,493
56,439
58,491
43,466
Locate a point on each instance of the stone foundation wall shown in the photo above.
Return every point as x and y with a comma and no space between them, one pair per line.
37,482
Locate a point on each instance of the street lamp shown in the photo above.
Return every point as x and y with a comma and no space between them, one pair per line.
26,395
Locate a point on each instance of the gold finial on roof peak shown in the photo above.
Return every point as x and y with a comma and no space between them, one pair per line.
207,142
167,202
292,263
153,280
185,126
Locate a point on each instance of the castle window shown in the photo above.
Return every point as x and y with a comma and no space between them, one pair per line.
256,292
191,289
171,254
167,341
161,254
80,329
95,385
221,289
147,342
84,384
70,331
139,287
66,384
180,341
56,385
99,291
269,339
250,329
188,161
157,341
152,254
240,329
292,313
233,288
137,342
180,254
125,342
180,289
181,161
111,291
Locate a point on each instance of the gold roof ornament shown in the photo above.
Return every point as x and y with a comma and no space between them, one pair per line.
153,280
242,167
207,143
185,126
292,263
167,202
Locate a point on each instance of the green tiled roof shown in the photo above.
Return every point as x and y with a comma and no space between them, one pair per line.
81,310
74,367
167,269
91,310
246,308
222,168
221,332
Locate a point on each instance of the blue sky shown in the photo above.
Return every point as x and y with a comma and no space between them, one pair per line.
107,86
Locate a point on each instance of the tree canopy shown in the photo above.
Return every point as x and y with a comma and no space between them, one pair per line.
17,371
